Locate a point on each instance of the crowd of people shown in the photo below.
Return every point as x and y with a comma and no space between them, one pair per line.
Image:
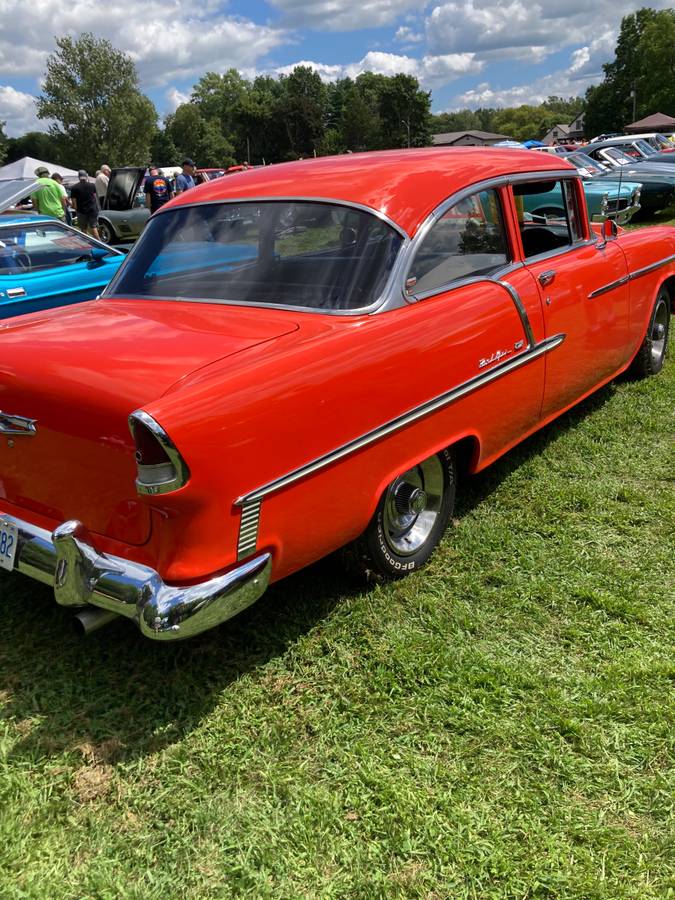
87,197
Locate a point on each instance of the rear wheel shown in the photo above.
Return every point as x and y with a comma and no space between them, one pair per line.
652,353
409,521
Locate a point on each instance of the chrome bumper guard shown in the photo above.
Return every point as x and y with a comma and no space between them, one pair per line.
68,560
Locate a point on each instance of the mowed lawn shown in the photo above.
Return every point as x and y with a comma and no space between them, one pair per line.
500,724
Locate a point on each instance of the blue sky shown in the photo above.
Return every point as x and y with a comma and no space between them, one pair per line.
467,52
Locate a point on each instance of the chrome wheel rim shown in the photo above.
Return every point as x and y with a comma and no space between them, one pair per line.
659,332
412,506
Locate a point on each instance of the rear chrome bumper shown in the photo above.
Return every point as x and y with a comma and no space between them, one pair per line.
68,560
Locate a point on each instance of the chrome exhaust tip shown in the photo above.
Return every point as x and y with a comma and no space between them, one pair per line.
91,619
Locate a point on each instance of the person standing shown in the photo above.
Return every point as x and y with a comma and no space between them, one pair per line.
48,198
58,178
186,179
102,179
85,202
157,190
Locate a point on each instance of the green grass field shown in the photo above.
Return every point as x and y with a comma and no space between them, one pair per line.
500,724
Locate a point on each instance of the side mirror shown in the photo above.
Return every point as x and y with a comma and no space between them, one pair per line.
98,254
609,230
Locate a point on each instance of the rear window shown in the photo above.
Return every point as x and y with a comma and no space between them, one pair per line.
299,254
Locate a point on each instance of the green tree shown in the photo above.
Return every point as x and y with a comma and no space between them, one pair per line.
3,142
303,109
361,126
197,137
405,111
37,144
643,62
91,92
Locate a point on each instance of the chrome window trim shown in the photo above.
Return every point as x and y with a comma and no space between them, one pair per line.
362,207
405,419
376,306
484,185
180,466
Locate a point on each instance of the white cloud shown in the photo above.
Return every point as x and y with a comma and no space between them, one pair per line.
432,71
175,98
18,111
344,15
170,40
525,30
406,35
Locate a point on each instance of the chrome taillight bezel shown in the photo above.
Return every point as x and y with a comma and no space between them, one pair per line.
160,478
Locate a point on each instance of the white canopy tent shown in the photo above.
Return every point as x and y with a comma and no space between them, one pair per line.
25,168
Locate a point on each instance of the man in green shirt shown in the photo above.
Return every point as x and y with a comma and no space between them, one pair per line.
48,198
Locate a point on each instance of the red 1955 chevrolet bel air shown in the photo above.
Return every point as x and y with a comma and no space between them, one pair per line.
306,357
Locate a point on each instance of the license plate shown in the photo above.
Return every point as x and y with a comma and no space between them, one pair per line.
8,541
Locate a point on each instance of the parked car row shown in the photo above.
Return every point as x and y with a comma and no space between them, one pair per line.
308,357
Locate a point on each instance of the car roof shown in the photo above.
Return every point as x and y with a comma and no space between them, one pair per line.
23,218
404,185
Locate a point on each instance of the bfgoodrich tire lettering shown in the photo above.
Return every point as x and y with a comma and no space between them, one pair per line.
409,521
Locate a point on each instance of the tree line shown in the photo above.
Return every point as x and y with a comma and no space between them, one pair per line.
98,113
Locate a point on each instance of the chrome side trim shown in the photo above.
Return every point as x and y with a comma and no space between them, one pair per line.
179,465
413,415
248,529
68,560
638,273
609,287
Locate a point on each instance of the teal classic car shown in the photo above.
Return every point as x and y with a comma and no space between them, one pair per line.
605,199
44,262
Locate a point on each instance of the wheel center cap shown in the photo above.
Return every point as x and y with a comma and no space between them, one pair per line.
418,501
659,332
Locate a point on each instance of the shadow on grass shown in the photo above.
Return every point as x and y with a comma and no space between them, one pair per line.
117,687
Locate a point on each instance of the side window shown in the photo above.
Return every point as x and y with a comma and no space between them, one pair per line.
43,245
548,215
468,240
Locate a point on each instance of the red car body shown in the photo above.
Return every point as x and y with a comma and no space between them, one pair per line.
279,429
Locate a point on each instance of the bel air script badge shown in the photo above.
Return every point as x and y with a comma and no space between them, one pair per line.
10,424
496,356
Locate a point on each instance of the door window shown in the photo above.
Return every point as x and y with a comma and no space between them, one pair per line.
28,248
468,240
548,215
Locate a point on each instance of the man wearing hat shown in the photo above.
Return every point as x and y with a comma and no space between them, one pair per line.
48,199
186,180
85,201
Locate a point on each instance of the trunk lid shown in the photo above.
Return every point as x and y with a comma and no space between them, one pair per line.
79,373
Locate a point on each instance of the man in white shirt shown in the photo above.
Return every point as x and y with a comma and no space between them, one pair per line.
102,178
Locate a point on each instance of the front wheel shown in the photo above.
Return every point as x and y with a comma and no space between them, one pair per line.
106,233
409,521
652,353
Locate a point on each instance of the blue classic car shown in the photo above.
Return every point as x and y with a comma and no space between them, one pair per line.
44,262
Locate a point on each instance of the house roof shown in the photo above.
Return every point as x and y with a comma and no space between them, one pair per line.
450,137
405,185
656,122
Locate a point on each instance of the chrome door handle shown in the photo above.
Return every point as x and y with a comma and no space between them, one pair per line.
16,292
546,277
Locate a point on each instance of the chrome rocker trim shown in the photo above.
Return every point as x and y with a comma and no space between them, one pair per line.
68,560
403,420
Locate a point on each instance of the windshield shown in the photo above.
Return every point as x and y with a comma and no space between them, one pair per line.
585,164
623,159
645,147
290,253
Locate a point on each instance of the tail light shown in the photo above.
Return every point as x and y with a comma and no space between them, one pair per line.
159,466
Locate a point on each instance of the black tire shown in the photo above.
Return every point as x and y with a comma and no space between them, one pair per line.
410,520
106,232
652,353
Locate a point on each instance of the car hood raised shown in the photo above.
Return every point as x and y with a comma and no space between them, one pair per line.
128,350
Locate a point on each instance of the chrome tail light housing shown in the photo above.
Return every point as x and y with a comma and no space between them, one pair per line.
160,468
